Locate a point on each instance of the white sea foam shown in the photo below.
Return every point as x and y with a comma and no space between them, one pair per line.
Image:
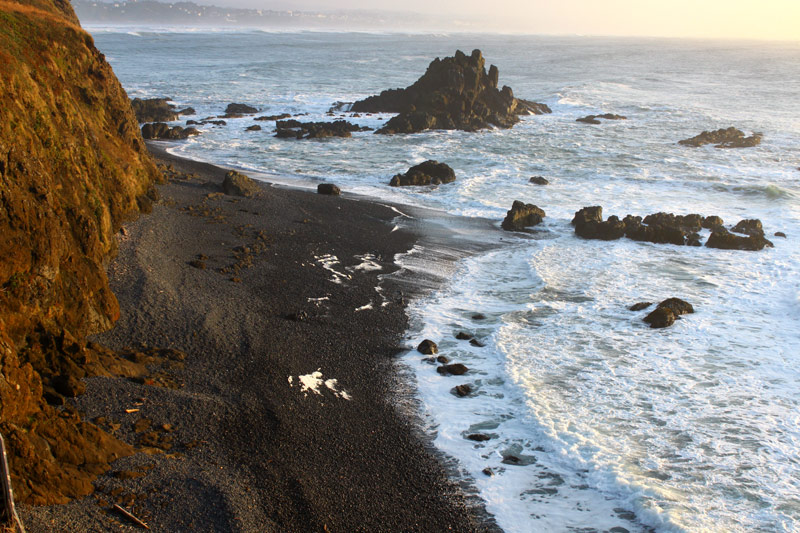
315,383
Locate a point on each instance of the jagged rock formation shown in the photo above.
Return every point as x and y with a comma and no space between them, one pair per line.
159,130
427,173
456,93
294,129
73,167
724,138
666,228
238,184
667,312
157,110
521,216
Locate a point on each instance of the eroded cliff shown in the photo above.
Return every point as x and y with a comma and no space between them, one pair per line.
73,167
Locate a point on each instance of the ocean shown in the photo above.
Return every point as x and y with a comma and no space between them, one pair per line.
615,426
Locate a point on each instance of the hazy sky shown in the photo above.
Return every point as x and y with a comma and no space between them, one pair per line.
744,19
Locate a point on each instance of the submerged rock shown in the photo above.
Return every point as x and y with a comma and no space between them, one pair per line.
254,127
274,117
240,109
725,240
640,306
455,369
161,131
237,184
427,173
521,216
593,119
724,138
539,180
455,93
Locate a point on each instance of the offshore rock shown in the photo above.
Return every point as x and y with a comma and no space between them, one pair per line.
428,347
456,369
667,312
237,184
750,227
157,110
455,93
294,129
725,240
593,119
521,216
240,109
161,131
427,173
539,180
724,138
329,189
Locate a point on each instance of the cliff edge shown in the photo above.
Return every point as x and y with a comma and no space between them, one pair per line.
73,167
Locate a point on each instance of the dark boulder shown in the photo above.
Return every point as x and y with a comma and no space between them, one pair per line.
479,437
661,317
780,234
589,224
69,386
455,93
521,216
428,347
240,109
724,138
594,119
161,131
539,180
750,227
587,215
640,306
476,343
329,189
725,240
678,306
463,336
237,184
427,173
686,222
274,117
712,222
294,129
254,127
155,110
456,369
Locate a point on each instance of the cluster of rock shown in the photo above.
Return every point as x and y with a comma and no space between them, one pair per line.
665,313
724,138
667,228
427,173
294,129
455,93
157,110
594,119
521,216
161,131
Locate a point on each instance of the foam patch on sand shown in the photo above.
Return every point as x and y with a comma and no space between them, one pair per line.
329,263
369,263
315,382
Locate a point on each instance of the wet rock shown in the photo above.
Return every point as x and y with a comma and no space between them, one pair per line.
640,306
750,227
157,110
428,347
724,138
455,93
478,316
488,472
329,189
476,343
593,119
462,390
161,131
240,109
521,216
274,117
587,215
442,359
462,336
294,129
725,240
678,306
780,234
712,222
456,369
426,173
237,184
661,317
254,127
539,180
479,437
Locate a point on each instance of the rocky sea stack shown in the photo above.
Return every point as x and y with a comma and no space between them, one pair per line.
724,138
456,93
74,167
427,173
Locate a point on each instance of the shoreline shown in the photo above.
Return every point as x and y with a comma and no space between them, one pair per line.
238,445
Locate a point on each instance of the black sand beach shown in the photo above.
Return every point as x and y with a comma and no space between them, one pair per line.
232,443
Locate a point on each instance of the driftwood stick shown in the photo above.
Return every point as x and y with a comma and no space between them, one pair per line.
130,517
8,512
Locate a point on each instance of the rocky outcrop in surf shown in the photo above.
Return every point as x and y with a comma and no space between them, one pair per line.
667,228
294,129
162,131
455,93
157,110
667,312
427,173
595,119
522,216
724,138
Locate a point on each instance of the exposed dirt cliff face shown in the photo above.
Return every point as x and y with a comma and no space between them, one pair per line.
73,167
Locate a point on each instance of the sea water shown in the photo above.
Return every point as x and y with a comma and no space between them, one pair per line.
613,425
